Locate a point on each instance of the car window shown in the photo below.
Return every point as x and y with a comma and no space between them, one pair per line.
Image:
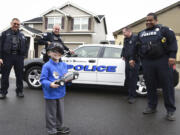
111,52
87,51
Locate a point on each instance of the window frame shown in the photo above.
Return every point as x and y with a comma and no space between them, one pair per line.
80,23
112,51
98,48
54,22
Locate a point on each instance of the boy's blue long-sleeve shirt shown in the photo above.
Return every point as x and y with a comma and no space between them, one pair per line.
52,71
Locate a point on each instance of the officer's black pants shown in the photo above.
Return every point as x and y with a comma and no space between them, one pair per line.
157,72
17,61
131,78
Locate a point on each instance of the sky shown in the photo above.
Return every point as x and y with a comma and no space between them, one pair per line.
118,13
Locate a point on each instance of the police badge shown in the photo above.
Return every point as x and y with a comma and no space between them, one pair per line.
130,42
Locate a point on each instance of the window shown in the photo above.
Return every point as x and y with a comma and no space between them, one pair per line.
52,21
80,24
112,52
88,52
31,25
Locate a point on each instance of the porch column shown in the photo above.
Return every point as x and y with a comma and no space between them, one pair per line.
31,48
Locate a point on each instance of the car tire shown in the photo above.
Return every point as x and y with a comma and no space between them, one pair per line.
32,77
141,87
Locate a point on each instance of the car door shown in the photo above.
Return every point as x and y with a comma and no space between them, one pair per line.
84,62
112,67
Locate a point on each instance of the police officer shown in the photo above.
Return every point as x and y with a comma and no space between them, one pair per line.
53,37
12,51
131,72
158,48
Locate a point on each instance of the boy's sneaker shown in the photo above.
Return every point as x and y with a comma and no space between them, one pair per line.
63,130
170,116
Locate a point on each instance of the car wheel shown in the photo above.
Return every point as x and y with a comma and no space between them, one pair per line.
33,77
141,87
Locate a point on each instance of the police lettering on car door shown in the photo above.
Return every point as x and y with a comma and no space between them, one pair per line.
101,68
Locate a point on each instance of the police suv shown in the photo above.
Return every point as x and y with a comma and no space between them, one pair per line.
97,64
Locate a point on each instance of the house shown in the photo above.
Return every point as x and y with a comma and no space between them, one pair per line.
168,16
78,26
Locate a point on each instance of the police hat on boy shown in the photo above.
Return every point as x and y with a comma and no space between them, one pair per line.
55,48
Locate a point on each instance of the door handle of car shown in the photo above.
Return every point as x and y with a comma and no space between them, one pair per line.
92,61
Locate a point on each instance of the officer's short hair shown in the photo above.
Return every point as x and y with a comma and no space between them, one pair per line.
154,15
127,28
15,19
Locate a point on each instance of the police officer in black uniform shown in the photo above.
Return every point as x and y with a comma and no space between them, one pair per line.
131,72
13,48
53,37
158,48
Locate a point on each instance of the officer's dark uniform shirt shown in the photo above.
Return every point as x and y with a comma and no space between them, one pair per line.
11,41
55,39
157,41
128,48
51,37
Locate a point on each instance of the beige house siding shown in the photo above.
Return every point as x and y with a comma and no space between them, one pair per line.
77,38
73,11
100,32
119,40
178,53
38,26
54,13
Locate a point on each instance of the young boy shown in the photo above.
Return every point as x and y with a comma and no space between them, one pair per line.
54,93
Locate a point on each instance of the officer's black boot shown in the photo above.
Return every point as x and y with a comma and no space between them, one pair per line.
149,110
2,96
131,100
20,94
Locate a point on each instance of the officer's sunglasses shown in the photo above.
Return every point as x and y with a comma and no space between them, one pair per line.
16,24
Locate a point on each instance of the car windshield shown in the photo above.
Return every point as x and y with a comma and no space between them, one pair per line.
87,51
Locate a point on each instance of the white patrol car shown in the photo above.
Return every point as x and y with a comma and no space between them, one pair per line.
97,64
